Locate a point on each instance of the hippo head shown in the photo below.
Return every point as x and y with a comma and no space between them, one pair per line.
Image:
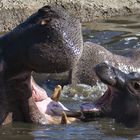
122,98
48,41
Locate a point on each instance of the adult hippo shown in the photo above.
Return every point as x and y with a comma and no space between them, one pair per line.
48,41
94,54
122,99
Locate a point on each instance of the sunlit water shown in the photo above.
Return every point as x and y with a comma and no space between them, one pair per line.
118,35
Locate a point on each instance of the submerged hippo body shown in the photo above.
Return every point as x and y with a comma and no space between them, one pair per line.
94,54
122,99
45,42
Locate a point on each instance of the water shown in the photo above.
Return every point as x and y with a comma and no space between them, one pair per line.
119,35
100,129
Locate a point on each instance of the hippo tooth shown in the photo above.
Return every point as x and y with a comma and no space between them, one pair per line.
64,119
8,119
56,94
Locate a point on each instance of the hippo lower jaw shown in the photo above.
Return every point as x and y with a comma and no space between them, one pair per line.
50,108
99,108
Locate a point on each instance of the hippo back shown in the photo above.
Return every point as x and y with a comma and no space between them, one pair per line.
94,54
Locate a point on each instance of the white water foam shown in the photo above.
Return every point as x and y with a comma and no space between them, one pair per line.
84,92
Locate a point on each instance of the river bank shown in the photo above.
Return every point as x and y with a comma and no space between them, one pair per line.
14,12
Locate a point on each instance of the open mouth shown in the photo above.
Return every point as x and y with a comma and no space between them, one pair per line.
54,111
96,109
107,74
105,98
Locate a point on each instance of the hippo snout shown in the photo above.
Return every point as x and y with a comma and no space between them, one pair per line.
57,43
110,75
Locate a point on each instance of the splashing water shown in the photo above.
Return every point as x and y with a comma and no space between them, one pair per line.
84,92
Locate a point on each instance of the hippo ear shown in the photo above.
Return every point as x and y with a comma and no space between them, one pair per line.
44,9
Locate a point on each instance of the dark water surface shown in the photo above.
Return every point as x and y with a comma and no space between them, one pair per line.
118,35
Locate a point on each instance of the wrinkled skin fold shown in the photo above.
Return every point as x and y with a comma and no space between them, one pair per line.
48,41
121,101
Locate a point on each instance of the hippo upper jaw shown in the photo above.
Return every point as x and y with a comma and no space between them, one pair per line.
111,75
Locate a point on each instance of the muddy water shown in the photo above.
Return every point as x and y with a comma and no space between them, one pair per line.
118,35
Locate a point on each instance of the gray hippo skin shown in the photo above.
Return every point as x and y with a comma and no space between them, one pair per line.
94,54
121,101
45,42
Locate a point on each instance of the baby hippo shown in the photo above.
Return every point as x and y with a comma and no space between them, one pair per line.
121,101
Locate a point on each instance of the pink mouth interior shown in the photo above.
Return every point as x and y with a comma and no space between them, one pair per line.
44,103
105,98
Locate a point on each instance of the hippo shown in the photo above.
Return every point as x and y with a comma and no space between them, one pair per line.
94,54
121,101
48,41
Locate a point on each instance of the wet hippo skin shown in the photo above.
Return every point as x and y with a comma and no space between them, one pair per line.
121,101
94,54
45,42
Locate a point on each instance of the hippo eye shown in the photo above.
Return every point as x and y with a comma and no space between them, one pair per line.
136,85
45,21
